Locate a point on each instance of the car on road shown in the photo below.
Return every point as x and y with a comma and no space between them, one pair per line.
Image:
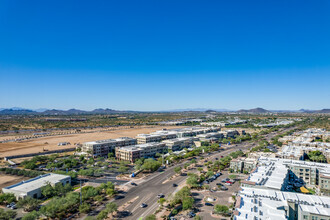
160,196
119,197
183,174
143,205
133,184
174,185
208,204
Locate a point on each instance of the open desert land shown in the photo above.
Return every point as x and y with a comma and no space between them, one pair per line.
8,180
50,143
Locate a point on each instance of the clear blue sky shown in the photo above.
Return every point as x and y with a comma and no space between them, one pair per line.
159,55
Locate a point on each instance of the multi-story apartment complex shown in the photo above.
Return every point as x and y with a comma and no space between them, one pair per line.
243,164
268,175
103,147
132,153
313,174
256,203
179,143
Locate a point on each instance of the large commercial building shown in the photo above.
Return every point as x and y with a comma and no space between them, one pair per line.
132,153
103,147
32,187
179,143
213,136
256,203
161,135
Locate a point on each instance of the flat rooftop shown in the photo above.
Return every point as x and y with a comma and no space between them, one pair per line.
266,204
37,182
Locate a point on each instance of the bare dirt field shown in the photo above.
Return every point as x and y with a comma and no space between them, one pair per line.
8,180
50,143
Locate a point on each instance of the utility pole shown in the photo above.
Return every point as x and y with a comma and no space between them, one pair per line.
80,193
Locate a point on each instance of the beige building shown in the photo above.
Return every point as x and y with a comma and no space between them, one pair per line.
103,147
180,143
132,153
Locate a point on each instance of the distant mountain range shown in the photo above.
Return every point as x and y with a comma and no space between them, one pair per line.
22,111
43,111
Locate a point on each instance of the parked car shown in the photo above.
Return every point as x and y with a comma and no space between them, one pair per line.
228,184
11,204
191,214
224,188
133,184
219,184
208,204
174,185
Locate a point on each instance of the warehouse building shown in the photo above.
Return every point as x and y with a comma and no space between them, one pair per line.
32,187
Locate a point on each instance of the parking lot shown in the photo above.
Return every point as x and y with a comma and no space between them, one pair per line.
222,197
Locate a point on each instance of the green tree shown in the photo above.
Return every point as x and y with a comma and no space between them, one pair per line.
177,169
111,207
192,181
197,217
7,215
7,198
221,209
102,215
48,191
150,217
31,216
28,203
150,165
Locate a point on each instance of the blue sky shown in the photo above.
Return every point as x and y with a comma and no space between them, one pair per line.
160,55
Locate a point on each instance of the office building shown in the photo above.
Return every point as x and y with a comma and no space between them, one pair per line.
32,187
103,147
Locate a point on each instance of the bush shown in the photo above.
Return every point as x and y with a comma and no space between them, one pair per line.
221,209
84,208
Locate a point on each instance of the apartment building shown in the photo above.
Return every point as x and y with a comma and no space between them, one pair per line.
256,203
299,152
310,172
179,143
243,164
132,153
103,147
268,175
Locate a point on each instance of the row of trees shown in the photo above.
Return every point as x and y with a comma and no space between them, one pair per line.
21,172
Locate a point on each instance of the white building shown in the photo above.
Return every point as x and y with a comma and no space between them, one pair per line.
32,187
256,203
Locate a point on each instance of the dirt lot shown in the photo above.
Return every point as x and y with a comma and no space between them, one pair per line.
7,180
37,145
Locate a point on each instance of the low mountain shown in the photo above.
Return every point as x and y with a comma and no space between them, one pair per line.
16,112
254,111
